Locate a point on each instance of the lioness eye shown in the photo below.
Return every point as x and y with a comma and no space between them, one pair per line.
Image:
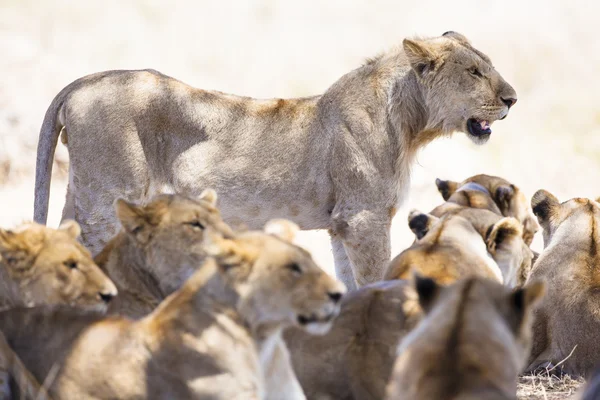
295,268
475,71
71,264
196,225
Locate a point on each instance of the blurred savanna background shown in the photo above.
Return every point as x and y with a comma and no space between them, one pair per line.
548,50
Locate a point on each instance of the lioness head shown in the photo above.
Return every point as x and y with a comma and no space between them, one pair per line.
169,231
472,342
278,282
49,266
463,90
509,199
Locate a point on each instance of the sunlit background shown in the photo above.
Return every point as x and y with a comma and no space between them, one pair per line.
548,50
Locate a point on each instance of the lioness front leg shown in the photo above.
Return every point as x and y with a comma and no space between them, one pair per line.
366,239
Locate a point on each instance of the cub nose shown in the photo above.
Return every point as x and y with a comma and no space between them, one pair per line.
106,297
335,296
509,101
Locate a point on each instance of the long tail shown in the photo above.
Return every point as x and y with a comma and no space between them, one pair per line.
48,139
11,364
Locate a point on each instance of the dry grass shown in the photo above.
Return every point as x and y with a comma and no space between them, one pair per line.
548,386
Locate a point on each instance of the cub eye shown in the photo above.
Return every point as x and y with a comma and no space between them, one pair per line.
474,71
295,268
11,260
196,225
71,264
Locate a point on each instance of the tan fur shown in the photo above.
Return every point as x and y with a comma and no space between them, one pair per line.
355,359
40,265
471,344
217,337
569,317
502,197
339,161
159,247
451,249
503,236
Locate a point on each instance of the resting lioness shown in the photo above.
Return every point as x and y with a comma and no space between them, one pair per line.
159,247
339,161
40,265
494,194
354,360
567,324
471,344
218,337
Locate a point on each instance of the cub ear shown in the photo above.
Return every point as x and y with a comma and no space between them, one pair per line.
423,57
543,204
446,188
420,223
501,232
427,290
523,300
71,227
457,36
282,228
134,220
231,257
503,196
209,195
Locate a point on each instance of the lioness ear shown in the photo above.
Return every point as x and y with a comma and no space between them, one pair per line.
133,219
523,300
423,58
504,195
446,188
457,36
282,228
543,204
427,290
501,231
209,195
71,227
420,223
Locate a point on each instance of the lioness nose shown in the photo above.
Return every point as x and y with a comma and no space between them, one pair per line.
509,101
106,297
335,296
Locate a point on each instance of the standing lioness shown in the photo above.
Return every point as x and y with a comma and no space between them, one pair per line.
340,161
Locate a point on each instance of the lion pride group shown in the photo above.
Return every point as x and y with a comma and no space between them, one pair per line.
180,305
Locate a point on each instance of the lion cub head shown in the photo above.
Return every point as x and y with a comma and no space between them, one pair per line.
463,91
492,193
447,249
471,344
49,266
166,235
278,282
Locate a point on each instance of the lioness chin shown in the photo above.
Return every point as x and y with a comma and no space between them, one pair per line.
339,161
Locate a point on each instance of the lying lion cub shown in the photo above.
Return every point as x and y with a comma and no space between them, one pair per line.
503,235
447,249
494,194
471,344
568,320
40,265
159,247
218,337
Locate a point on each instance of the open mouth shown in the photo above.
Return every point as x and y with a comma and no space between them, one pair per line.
304,320
479,128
